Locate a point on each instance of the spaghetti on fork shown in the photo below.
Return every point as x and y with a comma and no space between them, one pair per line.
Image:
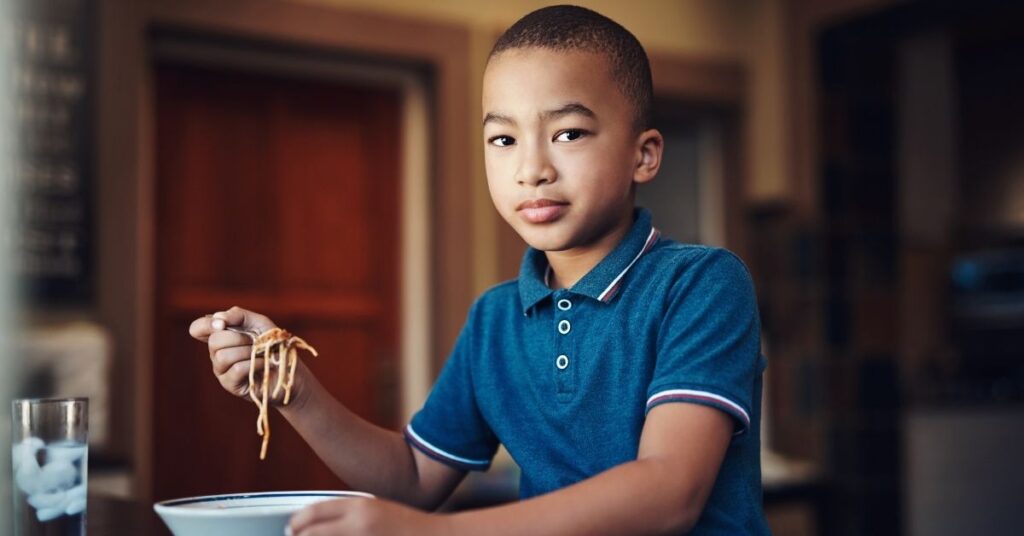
279,349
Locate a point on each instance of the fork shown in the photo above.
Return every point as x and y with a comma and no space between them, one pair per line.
253,334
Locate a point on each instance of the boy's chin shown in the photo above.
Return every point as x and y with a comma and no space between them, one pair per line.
555,236
547,241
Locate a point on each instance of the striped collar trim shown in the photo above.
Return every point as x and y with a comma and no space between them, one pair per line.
613,288
601,283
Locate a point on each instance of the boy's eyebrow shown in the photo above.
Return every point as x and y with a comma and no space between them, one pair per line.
492,117
568,109
562,111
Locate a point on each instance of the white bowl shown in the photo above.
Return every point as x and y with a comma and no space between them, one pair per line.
241,514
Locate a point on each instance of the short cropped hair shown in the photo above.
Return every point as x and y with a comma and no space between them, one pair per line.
578,28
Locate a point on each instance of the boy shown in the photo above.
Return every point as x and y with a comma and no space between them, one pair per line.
621,370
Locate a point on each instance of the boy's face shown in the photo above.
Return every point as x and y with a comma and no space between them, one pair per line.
560,150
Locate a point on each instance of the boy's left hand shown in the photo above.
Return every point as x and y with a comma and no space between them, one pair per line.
364,517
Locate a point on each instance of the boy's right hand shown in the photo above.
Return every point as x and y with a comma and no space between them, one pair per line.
230,351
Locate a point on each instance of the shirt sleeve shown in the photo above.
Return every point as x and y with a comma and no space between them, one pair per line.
450,427
709,341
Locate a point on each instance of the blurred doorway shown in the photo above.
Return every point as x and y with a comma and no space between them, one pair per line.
686,199
282,194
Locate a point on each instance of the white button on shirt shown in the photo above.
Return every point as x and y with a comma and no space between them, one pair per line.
562,362
564,304
564,327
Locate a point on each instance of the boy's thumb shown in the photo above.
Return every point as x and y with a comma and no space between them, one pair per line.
238,317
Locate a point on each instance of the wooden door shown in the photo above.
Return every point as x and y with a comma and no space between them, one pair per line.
279,195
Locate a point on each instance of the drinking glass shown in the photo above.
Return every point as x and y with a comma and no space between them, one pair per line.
50,455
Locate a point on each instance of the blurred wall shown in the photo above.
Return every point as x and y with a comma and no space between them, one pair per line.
749,32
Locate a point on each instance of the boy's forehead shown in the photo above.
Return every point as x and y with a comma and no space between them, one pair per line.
525,79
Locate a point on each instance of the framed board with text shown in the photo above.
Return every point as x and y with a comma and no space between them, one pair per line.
54,67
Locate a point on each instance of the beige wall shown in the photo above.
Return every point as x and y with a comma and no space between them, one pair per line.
748,31
705,27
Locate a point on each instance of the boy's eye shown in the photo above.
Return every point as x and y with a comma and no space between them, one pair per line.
502,141
570,135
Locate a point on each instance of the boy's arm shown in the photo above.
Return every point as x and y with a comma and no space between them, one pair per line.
662,492
369,458
366,456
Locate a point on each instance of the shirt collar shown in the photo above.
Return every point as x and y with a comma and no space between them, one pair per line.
603,281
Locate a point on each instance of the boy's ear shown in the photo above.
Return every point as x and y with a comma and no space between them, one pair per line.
650,145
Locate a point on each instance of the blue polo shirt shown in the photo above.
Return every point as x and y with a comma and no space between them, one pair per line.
565,378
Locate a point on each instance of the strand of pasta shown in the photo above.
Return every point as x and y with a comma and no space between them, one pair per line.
280,351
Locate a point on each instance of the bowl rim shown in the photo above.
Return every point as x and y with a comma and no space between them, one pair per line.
172,506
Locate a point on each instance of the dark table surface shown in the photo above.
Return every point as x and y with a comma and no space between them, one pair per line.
109,516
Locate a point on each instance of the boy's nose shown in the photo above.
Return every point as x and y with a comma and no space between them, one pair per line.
535,169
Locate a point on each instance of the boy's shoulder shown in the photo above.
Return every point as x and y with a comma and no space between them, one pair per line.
680,251
681,270
684,257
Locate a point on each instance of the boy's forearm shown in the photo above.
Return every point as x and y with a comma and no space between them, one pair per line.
643,497
366,456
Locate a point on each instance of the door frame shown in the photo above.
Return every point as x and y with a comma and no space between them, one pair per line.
127,177
414,372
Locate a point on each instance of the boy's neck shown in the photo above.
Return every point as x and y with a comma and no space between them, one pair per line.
570,265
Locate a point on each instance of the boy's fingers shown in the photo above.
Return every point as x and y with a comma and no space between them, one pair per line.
201,328
236,379
317,513
322,529
245,319
220,340
232,317
226,358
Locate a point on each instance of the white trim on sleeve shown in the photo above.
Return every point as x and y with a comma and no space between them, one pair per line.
693,394
425,444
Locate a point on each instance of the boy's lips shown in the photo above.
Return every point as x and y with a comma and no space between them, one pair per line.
541,210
